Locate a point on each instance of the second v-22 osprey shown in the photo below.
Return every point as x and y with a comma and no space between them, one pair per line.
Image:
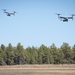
65,19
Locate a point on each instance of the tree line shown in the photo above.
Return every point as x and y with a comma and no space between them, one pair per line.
11,55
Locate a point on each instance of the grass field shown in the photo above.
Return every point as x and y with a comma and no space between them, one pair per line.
38,70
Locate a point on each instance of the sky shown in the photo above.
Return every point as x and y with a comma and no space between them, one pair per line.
36,22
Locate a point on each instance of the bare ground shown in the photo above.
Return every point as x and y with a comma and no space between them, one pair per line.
38,70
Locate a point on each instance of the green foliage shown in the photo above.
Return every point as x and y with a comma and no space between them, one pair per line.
42,55
31,55
68,53
9,55
19,54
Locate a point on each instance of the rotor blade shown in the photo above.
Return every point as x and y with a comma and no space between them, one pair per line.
4,9
73,14
58,14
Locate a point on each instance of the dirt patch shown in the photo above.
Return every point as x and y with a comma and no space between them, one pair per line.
38,70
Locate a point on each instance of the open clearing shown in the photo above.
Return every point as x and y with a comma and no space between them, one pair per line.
38,70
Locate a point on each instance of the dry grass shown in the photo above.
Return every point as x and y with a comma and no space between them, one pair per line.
38,70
